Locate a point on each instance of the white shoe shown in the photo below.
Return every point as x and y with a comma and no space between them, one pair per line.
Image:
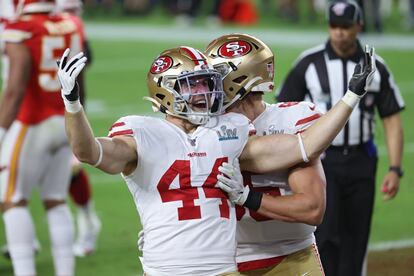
89,227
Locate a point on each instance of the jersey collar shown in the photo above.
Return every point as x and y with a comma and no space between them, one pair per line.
355,58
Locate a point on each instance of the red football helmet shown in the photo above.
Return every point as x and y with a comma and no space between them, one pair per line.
33,6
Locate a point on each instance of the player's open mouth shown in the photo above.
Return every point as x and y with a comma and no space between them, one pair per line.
200,104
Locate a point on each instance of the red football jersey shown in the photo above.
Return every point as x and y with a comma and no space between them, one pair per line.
46,37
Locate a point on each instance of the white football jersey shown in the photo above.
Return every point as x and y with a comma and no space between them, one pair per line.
189,224
259,237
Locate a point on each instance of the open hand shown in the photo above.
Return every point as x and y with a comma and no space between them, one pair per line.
363,75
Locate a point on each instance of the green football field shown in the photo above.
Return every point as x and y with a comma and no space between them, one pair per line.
116,85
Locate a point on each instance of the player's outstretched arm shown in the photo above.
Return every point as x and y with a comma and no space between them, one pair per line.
110,155
272,152
319,136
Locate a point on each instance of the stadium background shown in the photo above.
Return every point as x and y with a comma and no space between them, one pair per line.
124,47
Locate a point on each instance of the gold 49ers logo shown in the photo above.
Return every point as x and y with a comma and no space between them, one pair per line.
161,64
235,49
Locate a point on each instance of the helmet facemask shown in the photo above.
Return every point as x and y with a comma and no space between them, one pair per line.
198,95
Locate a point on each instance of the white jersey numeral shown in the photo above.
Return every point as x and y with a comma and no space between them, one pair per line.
48,79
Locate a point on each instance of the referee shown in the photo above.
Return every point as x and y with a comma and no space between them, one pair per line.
321,75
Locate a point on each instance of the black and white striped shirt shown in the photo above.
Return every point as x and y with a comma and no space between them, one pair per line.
321,76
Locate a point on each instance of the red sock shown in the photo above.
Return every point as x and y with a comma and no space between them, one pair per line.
80,189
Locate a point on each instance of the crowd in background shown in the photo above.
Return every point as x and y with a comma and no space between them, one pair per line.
247,12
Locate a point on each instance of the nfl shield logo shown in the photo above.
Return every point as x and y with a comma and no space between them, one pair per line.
339,8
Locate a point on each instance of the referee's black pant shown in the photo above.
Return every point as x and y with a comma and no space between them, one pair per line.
342,237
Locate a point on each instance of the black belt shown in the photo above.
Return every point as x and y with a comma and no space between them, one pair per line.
347,149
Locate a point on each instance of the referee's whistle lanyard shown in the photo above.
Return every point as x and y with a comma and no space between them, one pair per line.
371,148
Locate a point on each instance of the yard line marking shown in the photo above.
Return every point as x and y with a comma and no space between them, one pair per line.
173,34
388,245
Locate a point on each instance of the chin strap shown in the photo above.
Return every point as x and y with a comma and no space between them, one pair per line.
231,102
154,108
262,87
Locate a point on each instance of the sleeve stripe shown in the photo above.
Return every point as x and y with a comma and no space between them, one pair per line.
308,119
396,91
15,36
121,132
118,124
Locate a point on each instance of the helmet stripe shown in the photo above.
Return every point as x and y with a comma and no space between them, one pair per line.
195,55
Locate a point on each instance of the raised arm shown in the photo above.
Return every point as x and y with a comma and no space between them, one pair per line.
268,153
112,156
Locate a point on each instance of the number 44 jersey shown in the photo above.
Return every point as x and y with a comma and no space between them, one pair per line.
188,222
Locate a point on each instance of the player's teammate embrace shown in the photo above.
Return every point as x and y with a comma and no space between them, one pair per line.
170,165
278,237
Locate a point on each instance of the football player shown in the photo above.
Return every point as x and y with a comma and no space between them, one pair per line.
276,239
170,165
34,147
88,222
7,14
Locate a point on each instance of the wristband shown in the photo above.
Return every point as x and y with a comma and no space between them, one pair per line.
302,149
351,99
100,156
397,170
72,107
254,200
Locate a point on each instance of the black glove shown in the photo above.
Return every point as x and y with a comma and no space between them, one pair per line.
362,77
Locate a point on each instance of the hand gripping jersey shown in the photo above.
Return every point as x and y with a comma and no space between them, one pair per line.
259,237
46,37
188,222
